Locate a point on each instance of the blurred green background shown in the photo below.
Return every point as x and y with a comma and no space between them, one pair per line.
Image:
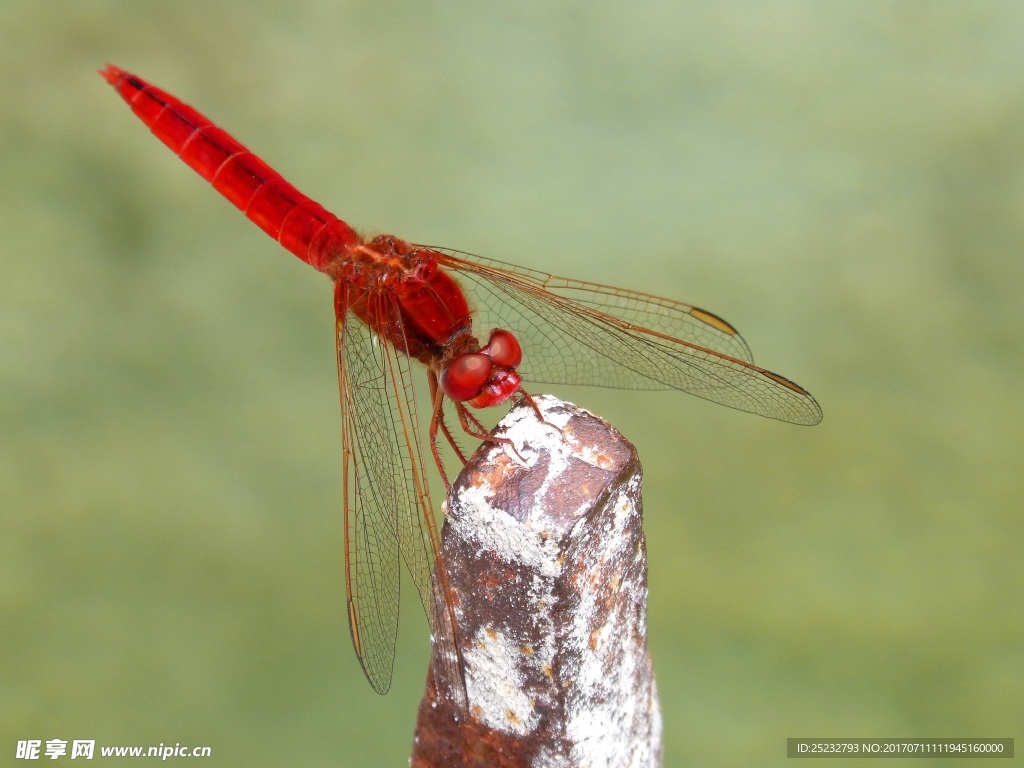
842,181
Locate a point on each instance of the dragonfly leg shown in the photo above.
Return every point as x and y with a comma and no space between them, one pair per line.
444,427
476,422
465,417
437,422
528,399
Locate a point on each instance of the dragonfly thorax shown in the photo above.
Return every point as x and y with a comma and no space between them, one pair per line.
404,295
402,292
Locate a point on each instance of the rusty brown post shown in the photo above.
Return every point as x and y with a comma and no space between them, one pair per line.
548,571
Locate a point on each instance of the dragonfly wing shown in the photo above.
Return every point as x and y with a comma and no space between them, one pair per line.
574,332
666,316
374,490
388,515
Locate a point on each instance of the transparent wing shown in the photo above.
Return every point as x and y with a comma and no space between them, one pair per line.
388,515
575,332
665,316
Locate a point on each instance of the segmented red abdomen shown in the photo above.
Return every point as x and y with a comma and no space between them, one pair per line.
404,295
301,225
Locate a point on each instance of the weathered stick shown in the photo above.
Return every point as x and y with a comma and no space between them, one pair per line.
548,570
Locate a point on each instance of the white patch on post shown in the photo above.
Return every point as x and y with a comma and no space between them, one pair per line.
495,685
599,718
494,530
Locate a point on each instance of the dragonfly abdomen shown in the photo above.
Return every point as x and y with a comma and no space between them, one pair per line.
300,224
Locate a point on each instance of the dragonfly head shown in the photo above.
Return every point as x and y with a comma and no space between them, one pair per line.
487,377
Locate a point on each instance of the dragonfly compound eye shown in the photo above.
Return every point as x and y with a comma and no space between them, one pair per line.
464,377
503,348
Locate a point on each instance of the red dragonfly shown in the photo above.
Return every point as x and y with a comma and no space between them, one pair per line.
397,302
